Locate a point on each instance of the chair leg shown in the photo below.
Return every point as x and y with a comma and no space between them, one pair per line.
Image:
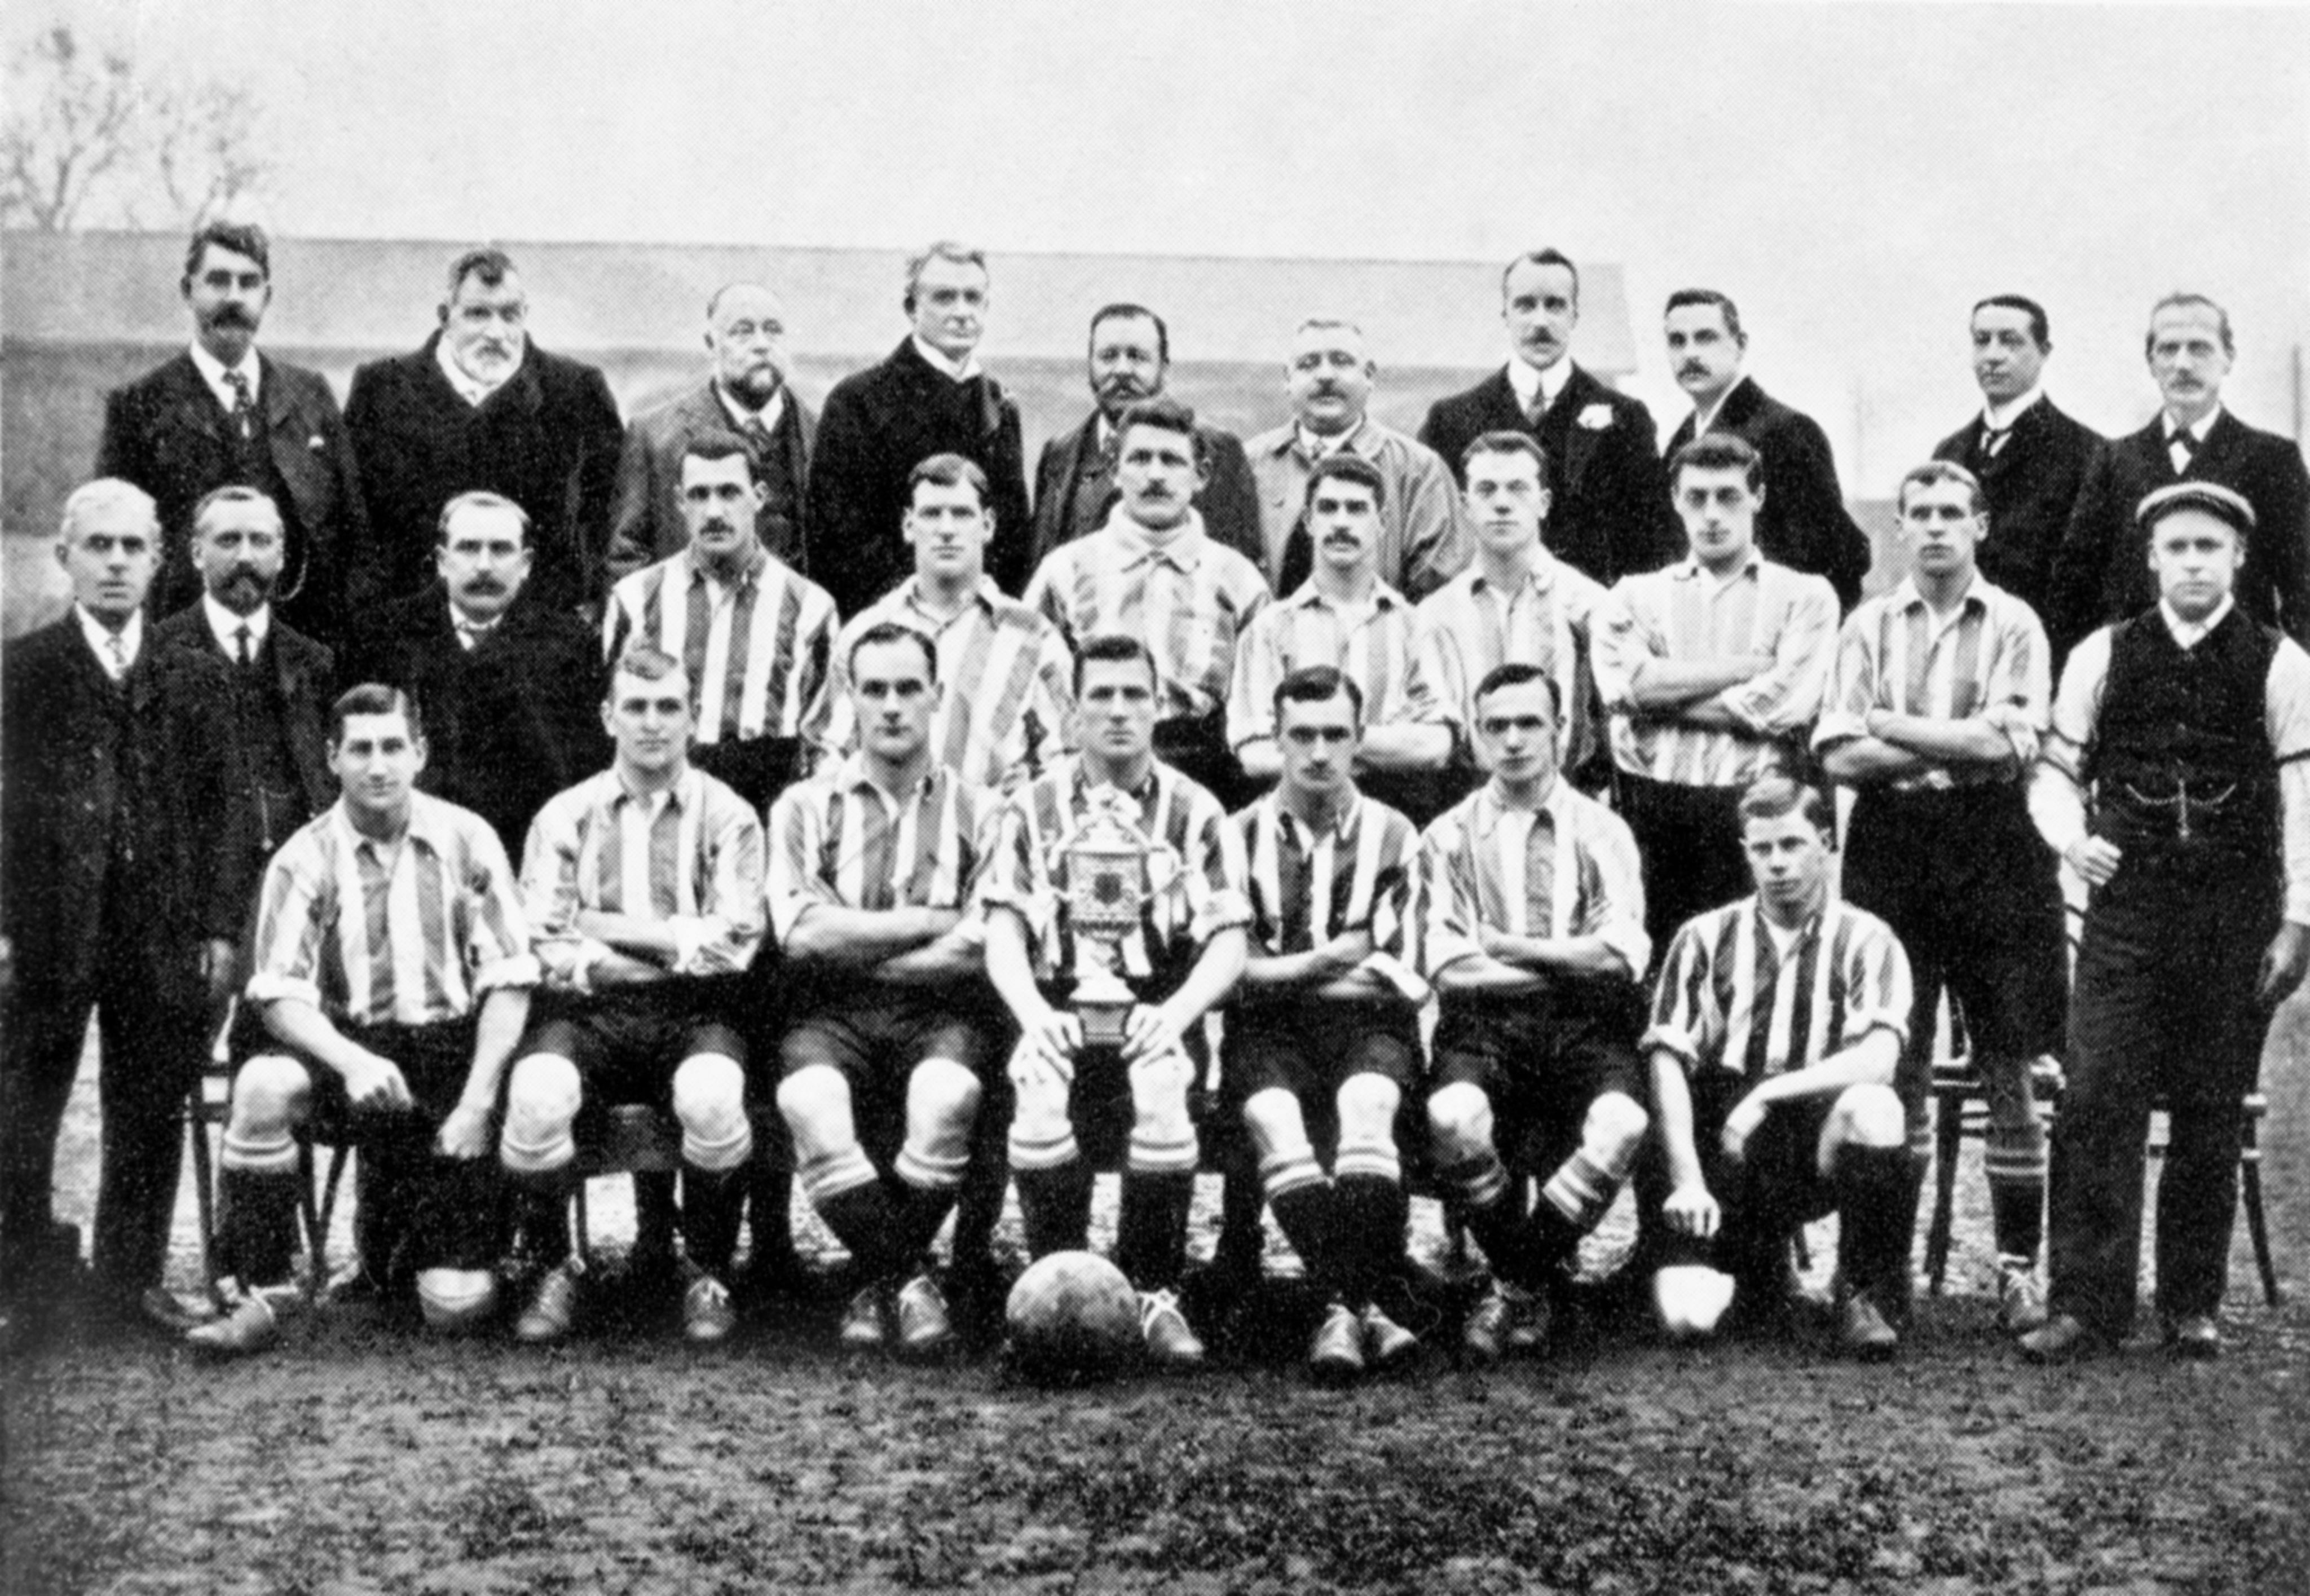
1948,1134
317,1223
581,1238
196,1126
2257,1224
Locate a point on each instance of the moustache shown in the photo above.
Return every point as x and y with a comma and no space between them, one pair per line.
485,585
231,316
1340,540
1692,368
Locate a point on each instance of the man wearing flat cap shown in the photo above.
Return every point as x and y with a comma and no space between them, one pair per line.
2175,779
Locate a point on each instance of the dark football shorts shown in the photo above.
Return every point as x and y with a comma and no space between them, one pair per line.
628,1045
880,1035
1309,1047
1541,1060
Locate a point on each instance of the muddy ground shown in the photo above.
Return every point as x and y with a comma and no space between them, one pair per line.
358,1460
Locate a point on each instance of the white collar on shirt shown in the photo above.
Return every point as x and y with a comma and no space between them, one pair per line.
472,392
100,637
1314,446
1529,380
1490,811
1702,423
212,370
224,623
2000,418
2197,429
1183,548
962,370
769,415
2189,634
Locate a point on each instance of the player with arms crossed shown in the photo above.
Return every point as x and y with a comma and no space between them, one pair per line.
1329,1009
872,867
1535,940
1179,959
645,884
393,967
1777,1032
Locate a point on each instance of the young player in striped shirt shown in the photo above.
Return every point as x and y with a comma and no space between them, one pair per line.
1153,573
1344,617
755,636
756,640
644,886
1534,939
1713,669
1941,690
873,864
1076,1104
1516,602
1777,1032
392,967
1327,1018
1005,708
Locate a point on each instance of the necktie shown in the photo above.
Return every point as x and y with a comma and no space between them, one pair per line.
244,406
1538,407
1992,440
2182,449
757,437
469,636
119,649
244,643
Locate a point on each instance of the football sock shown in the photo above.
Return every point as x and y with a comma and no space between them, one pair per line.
710,1204
1309,1214
1372,1215
259,1226
1055,1204
1151,1234
1876,1211
862,1219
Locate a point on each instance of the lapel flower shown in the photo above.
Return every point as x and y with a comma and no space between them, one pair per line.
1596,418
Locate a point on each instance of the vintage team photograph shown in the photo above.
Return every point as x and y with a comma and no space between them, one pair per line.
1246,797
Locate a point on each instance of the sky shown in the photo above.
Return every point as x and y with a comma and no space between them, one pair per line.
1854,174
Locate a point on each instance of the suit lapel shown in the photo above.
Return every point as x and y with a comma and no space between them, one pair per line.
2221,440
1580,442
196,407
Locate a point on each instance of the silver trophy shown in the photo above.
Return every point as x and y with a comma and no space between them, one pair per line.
1106,892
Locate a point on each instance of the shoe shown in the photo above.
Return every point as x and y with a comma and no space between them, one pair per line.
924,1327
2020,1300
2063,1339
2193,1336
1170,1343
159,1308
862,1321
706,1315
1337,1352
1387,1345
354,1287
251,1326
1530,1315
1861,1329
553,1305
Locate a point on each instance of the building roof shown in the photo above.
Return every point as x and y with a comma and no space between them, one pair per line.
380,294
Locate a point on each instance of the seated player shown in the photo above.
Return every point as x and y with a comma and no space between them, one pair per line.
1329,1014
644,887
1181,959
872,866
1536,940
1345,617
1776,1033
393,967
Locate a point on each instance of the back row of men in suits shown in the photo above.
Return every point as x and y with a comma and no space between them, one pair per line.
1712,671
480,406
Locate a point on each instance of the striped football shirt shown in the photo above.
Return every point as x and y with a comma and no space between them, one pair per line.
372,934
689,857
1470,625
1730,999
756,649
1006,700
1194,878
1188,598
1682,612
1373,649
842,840
1308,887
1567,869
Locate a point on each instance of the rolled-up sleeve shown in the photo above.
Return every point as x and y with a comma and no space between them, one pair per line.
496,939
293,919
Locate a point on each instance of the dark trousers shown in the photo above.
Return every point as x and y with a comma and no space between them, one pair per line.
2163,1009
150,1041
417,1210
1689,839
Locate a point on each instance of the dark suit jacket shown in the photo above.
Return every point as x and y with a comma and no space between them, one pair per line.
1609,513
507,723
175,783
647,525
1803,523
1229,501
303,679
2104,572
876,425
166,433
2032,485
548,440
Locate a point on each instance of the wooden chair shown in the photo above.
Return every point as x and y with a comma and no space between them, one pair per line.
208,1106
1960,1109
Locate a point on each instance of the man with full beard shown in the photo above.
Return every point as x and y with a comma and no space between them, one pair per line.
1130,353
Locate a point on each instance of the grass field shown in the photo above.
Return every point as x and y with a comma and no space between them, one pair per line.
354,1460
